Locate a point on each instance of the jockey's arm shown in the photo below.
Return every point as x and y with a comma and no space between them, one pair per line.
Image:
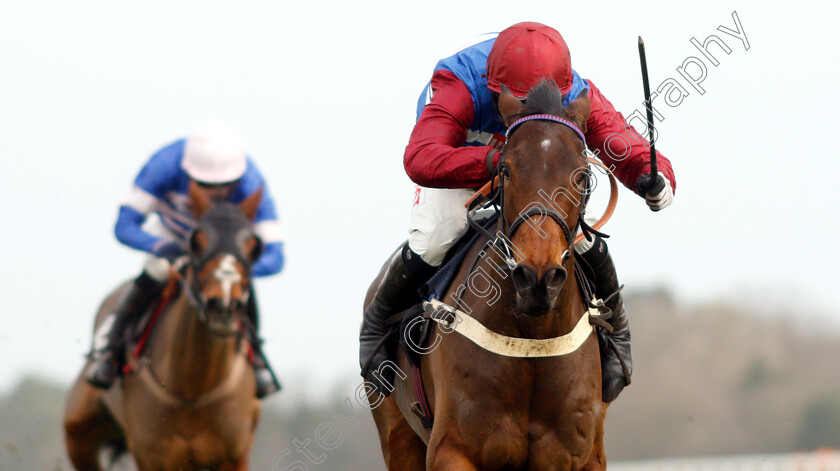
435,156
271,261
607,134
151,184
266,224
129,230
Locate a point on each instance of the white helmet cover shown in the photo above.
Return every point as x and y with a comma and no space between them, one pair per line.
214,153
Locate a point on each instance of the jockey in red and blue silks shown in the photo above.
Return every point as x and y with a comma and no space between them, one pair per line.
214,157
454,148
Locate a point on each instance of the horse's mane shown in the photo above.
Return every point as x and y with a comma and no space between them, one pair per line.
544,98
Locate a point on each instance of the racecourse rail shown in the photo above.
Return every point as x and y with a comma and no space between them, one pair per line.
813,461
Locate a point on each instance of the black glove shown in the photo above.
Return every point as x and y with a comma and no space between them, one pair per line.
171,251
657,192
648,186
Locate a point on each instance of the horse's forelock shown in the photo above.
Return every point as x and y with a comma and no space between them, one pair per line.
224,215
545,98
224,223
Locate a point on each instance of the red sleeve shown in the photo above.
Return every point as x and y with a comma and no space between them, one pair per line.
435,156
608,135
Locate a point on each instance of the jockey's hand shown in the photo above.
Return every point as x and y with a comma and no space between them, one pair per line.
658,193
171,251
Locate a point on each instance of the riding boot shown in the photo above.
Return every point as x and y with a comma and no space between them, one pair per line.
267,382
108,340
616,358
397,291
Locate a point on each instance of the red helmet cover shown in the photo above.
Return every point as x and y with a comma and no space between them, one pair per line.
524,54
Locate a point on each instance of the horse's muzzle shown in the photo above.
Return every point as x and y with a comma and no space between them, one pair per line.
223,318
535,297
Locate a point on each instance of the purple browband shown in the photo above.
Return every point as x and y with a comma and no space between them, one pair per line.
546,117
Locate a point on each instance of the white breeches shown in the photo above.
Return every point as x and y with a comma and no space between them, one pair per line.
157,267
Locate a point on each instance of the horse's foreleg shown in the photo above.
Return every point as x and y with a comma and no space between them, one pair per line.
402,449
238,465
87,426
598,457
449,458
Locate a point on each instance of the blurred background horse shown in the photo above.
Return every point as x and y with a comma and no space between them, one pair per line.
187,400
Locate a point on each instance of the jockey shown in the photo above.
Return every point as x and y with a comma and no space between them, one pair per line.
213,156
454,149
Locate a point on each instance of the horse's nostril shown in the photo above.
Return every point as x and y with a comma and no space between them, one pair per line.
237,305
555,277
524,278
214,304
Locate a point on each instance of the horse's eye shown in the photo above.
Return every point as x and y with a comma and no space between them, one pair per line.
504,170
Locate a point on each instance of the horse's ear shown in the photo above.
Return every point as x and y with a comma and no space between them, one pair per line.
254,248
251,204
197,242
509,105
578,110
200,201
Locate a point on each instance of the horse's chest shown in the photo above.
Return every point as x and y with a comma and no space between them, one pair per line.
530,414
541,436
184,438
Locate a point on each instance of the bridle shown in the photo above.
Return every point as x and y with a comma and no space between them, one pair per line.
224,232
496,199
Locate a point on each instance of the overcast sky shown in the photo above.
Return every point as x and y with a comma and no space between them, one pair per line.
325,94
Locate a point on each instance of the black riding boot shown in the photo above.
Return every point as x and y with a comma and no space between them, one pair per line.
267,383
397,291
616,359
106,360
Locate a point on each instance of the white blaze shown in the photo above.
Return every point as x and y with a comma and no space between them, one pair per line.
227,274
546,143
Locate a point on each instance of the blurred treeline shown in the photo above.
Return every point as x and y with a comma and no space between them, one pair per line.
709,380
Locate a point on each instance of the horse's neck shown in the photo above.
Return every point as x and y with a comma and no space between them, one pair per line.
186,357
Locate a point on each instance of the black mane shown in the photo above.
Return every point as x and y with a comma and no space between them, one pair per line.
224,214
544,98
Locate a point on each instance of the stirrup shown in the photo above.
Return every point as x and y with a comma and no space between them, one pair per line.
103,370
267,383
602,318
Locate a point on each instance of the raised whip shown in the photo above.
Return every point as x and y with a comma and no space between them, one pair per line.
649,107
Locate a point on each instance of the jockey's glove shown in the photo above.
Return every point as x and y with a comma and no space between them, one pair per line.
658,193
171,251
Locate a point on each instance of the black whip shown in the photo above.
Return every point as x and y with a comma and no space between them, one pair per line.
649,107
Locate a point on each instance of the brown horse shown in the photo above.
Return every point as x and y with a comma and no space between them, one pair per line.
190,402
495,411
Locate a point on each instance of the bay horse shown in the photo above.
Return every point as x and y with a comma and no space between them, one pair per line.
190,402
495,411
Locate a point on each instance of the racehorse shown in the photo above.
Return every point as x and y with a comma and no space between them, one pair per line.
190,402
493,407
